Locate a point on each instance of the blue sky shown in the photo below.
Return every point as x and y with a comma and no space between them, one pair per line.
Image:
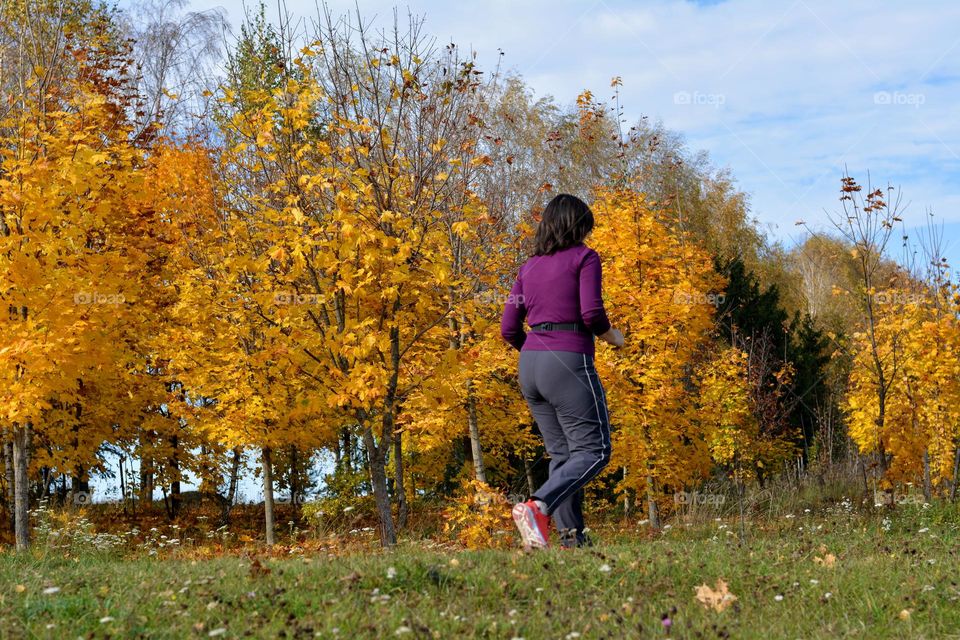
785,93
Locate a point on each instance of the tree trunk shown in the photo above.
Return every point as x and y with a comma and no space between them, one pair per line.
473,428
123,486
174,463
528,470
48,478
863,473
377,454
743,520
881,417
927,484
626,497
209,475
8,471
399,485
378,478
166,501
267,461
346,455
478,468
653,511
294,478
79,488
956,471
146,481
21,462
234,476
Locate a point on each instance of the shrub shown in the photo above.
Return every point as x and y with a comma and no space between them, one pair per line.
479,518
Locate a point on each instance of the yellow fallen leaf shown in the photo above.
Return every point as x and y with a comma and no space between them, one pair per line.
20,588
717,599
828,560
904,614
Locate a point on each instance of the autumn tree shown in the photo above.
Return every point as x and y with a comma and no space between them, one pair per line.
661,286
866,224
70,228
917,344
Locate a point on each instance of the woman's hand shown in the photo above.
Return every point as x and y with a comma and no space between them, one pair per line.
613,336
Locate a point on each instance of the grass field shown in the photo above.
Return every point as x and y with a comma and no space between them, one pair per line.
889,574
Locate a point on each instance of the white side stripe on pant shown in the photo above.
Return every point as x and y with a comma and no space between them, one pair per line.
574,486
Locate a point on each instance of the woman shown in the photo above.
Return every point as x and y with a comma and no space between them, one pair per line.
558,291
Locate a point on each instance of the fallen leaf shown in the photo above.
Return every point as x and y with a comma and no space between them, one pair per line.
257,569
717,599
827,560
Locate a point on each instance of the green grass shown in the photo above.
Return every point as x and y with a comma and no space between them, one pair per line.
620,588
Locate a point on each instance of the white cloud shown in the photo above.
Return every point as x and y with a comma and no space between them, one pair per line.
784,93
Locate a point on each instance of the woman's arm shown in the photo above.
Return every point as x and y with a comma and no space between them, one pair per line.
514,313
591,300
613,336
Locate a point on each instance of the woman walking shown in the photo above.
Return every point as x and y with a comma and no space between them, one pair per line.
558,292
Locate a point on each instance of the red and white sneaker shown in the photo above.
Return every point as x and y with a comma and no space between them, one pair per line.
534,525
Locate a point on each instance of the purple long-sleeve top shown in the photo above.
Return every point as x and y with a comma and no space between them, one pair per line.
562,287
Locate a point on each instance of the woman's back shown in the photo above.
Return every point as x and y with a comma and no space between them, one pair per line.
563,287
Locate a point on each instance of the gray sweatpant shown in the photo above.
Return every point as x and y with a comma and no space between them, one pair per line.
569,405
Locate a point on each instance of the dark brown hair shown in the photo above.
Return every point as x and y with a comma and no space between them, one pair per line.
566,221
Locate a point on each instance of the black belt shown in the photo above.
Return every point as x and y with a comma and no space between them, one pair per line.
561,326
